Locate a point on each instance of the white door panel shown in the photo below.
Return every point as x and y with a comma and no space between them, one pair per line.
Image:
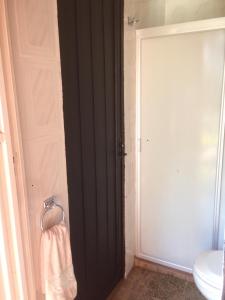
181,89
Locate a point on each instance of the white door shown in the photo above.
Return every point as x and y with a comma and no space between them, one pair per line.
181,78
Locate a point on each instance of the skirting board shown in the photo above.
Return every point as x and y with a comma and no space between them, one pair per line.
142,263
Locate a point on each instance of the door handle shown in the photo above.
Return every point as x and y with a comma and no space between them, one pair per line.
122,152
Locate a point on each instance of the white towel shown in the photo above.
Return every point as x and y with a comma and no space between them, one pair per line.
57,275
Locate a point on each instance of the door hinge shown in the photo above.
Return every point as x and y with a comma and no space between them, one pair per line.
14,158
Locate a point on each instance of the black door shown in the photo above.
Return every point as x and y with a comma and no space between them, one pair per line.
91,36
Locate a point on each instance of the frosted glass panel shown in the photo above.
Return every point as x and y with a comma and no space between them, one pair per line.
181,87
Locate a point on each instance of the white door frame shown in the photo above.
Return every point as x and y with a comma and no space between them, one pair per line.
15,210
169,30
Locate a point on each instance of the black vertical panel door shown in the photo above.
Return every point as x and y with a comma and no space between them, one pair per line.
90,33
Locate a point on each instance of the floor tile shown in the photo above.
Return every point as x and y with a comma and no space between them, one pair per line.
142,284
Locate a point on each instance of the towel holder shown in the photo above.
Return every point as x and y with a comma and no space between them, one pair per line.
48,205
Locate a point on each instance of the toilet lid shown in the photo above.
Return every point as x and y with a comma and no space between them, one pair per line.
209,267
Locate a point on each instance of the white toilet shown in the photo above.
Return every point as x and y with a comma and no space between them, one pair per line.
208,274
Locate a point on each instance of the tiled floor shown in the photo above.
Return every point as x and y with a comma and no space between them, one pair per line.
143,284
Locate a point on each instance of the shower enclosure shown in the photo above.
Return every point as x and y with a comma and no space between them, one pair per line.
180,131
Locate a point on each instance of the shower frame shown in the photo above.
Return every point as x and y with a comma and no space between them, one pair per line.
163,31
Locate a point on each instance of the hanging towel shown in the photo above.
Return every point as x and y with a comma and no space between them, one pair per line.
57,275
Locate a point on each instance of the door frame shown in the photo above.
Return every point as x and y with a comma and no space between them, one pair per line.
170,30
21,254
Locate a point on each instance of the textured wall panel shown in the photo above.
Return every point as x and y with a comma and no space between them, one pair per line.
34,35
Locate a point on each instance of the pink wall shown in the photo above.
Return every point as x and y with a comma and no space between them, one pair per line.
34,35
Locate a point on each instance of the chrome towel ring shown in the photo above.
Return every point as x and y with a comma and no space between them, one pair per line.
48,205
